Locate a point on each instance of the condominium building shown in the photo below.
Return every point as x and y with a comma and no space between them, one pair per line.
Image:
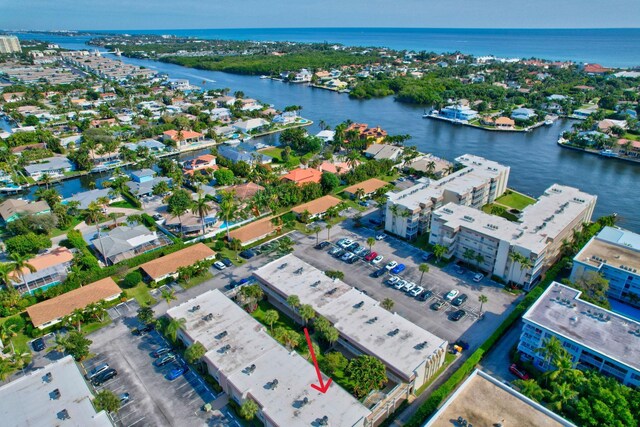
411,354
615,254
481,181
249,364
9,44
594,337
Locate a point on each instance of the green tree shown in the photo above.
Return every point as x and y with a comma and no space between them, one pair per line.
594,287
106,400
482,299
249,409
293,301
194,352
423,268
531,389
439,251
366,373
228,208
468,255
75,344
370,242
387,304
20,264
168,295
178,204
145,315
271,317
224,176
160,188
306,312
333,362
201,208
317,229
329,182
173,327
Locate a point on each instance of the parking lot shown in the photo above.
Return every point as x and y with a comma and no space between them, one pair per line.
154,400
471,328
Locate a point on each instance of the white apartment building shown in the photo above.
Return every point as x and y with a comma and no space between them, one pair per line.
538,235
594,337
9,44
481,181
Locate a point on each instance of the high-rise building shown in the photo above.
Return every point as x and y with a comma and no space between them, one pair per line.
9,44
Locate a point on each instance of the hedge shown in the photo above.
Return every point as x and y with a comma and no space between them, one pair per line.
130,198
437,397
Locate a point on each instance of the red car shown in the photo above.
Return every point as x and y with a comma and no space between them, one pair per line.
371,256
520,373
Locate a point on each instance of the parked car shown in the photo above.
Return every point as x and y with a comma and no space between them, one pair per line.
375,222
347,256
380,236
353,247
353,260
458,315
460,270
124,398
227,262
322,245
478,277
438,305
159,352
175,373
416,291
219,265
459,300
97,370
143,331
247,254
451,295
409,286
334,250
38,344
157,217
425,295
103,377
380,272
361,251
377,260
364,203
391,265
166,359
398,269
345,243
400,284
370,256
340,253
392,280
426,256
518,372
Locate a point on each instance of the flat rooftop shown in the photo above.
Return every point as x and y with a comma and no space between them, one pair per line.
357,317
560,310
31,400
614,246
484,401
250,344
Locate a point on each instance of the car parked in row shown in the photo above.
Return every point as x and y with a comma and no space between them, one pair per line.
452,294
219,265
437,306
159,352
165,360
370,256
380,272
416,291
377,260
96,371
247,254
347,256
391,265
344,243
392,280
380,236
322,245
478,277
398,269
175,373
124,398
103,377
459,300
400,284
227,262
425,295
38,344
334,250
518,372
457,315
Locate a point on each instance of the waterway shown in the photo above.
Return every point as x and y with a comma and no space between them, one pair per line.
535,159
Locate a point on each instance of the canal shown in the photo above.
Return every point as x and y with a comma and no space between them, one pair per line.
536,161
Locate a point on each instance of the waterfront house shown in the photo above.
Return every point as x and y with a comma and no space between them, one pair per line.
54,167
52,311
326,135
301,176
220,114
375,135
458,112
84,198
167,266
285,118
318,207
50,269
236,155
182,138
629,147
504,123
12,209
126,242
606,125
154,146
143,182
594,69
205,163
384,151
191,224
250,125
523,114
335,167
583,113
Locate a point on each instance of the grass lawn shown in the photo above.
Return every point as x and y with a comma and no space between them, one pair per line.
92,327
57,231
228,253
276,153
283,320
195,281
123,204
515,200
141,293
506,215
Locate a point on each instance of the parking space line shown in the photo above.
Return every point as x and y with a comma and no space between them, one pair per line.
136,422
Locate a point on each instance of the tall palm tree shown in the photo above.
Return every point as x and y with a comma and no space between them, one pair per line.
551,349
482,299
525,264
46,180
479,258
228,208
317,229
5,273
168,295
468,255
173,327
531,389
93,213
329,227
515,258
20,264
423,268
562,394
201,208
370,242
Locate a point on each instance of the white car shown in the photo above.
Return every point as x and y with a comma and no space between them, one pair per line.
400,284
380,236
452,294
345,243
347,256
409,286
219,265
392,280
478,277
377,260
391,265
416,291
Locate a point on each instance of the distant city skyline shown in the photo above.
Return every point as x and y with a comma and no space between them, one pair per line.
201,14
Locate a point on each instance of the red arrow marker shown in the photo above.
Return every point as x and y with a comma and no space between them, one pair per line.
322,388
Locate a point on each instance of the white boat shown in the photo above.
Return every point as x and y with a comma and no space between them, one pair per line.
608,153
548,122
264,77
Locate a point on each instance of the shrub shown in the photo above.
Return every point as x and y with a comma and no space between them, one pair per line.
27,244
131,279
75,240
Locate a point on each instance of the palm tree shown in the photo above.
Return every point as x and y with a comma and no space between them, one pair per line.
168,295
482,299
93,213
525,264
469,254
5,273
317,229
370,242
514,257
439,251
293,301
75,318
329,227
271,317
201,208
236,245
46,180
562,393
531,389
359,193
228,208
551,349
387,304
423,268
479,258
173,327
19,265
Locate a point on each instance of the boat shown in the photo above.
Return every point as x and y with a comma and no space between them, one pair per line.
608,153
548,122
264,77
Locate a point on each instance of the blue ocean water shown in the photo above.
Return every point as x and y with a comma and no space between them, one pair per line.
609,47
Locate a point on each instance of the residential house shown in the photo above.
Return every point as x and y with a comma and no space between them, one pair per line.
54,167
458,112
52,311
236,155
338,168
629,147
286,118
190,223
168,265
250,125
302,176
318,207
523,114
12,209
154,146
368,187
205,163
127,241
182,138
244,192
84,198
326,135
504,123
594,69
384,151
143,182
50,269
254,231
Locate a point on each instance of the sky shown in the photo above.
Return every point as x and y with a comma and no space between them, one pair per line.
202,14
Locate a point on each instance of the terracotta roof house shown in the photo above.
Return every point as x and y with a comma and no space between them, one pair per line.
245,191
11,209
168,265
375,134
595,69
338,168
369,187
505,123
254,231
182,138
50,269
206,162
302,176
52,311
317,207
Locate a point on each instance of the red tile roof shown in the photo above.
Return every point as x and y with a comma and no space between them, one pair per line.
302,176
